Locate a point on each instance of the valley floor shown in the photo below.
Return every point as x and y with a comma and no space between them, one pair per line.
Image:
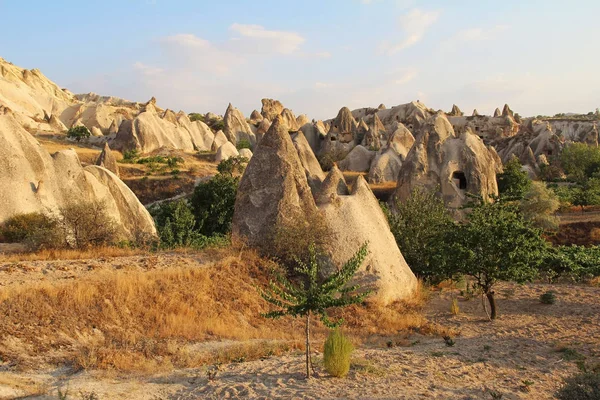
525,354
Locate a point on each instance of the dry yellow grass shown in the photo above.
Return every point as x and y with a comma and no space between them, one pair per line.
69,254
176,317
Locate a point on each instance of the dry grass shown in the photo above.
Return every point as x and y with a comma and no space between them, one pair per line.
177,317
69,254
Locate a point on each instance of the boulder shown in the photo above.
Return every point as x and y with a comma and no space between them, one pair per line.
108,160
245,153
95,131
220,140
358,160
401,141
497,113
271,108
225,152
236,128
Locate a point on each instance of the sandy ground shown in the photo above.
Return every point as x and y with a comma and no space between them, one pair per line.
517,356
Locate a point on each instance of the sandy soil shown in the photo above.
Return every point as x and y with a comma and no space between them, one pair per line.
518,356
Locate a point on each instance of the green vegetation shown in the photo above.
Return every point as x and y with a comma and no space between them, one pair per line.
494,244
206,218
243,144
155,164
308,293
35,230
196,117
538,205
548,298
336,353
578,263
78,133
233,166
580,161
513,183
419,224
584,386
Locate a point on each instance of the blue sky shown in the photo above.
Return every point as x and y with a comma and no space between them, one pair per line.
541,57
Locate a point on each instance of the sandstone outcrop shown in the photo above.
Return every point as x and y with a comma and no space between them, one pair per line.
453,165
358,160
108,160
225,152
314,173
39,182
275,192
236,128
271,108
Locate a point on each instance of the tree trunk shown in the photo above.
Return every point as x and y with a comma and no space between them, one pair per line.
308,345
492,301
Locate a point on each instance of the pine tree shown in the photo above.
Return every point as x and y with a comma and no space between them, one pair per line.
307,293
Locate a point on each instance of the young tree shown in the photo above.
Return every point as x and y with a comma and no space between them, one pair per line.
175,224
308,293
78,133
495,244
233,166
213,203
513,183
419,224
538,206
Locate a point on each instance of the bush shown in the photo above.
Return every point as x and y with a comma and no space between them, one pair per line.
35,230
548,298
78,133
196,117
129,156
513,183
87,224
213,203
336,354
244,144
584,386
175,224
233,166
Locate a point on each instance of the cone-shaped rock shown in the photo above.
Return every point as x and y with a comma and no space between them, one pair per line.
236,128
475,113
507,112
271,108
497,112
274,190
107,160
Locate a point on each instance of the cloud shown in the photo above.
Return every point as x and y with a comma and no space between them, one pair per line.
258,39
474,35
147,69
406,77
414,24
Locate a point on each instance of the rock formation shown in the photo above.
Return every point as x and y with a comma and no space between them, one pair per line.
453,165
220,140
497,113
387,164
247,153
455,112
236,128
108,160
271,108
314,173
256,117
225,152
358,160
39,182
343,126
275,192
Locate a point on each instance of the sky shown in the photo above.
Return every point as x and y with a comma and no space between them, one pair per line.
316,56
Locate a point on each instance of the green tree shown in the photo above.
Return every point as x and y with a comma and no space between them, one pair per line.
419,224
494,244
175,224
213,203
78,133
233,166
308,293
586,194
580,161
513,183
539,205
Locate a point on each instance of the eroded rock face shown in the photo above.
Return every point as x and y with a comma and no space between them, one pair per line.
343,126
358,160
236,128
225,152
357,218
43,183
387,164
453,165
314,173
149,131
275,192
271,108
108,160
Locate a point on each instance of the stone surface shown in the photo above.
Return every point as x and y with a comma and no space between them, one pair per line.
107,160
236,128
226,151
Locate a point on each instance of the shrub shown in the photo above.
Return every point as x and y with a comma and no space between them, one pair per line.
213,203
196,117
35,230
129,156
175,224
87,224
336,354
244,144
548,298
233,166
585,386
78,133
